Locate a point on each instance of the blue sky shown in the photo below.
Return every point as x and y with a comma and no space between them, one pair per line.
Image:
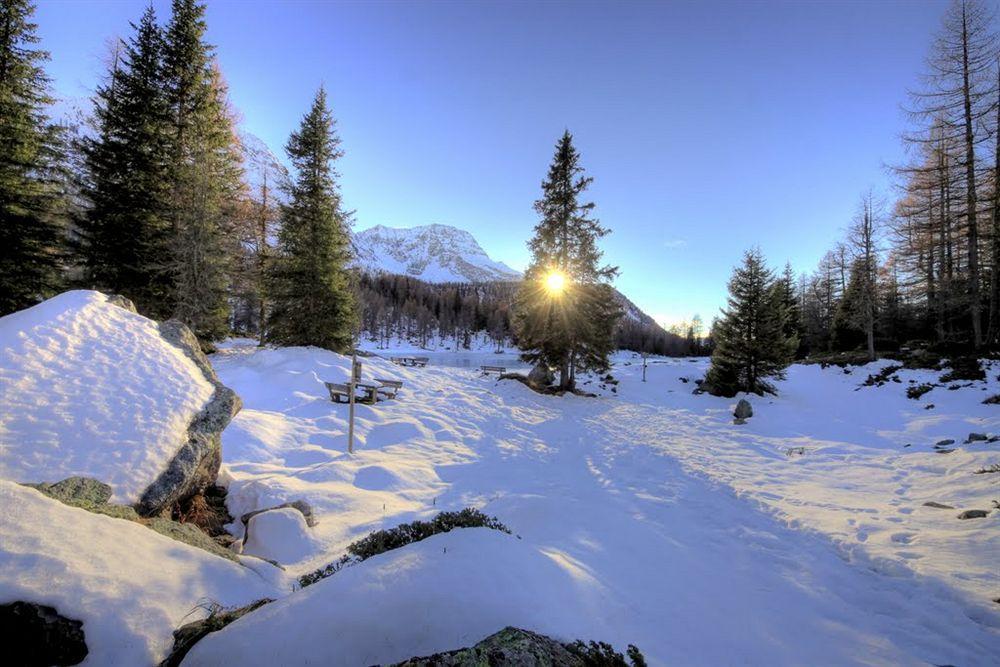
708,127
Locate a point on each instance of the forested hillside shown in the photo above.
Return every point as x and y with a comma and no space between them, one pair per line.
400,308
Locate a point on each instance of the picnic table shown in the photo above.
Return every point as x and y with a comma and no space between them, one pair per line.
410,361
365,392
389,388
493,369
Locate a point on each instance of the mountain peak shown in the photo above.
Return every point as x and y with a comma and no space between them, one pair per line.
434,253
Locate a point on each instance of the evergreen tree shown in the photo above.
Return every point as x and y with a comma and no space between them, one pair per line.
127,243
750,341
570,328
205,174
32,202
310,291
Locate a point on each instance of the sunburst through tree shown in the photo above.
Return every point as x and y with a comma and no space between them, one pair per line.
565,312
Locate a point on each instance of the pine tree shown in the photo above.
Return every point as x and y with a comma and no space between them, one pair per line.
32,205
572,328
311,294
750,342
126,235
789,298
205,175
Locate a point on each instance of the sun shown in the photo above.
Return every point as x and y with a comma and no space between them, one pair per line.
555,282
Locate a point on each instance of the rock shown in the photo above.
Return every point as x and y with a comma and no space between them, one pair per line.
190,534
280,535
196,466
300,505
992,400
122,302
977,437
944,443
513,647
541,376
940,506
34,634
974,514
77,491
743,409
89,494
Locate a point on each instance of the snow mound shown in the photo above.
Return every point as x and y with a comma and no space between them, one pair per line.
448,591
130,586
92,389
280,535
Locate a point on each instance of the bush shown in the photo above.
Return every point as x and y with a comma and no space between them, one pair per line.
964,368
382,541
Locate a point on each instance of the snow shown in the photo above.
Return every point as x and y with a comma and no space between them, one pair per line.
433,253
645,516
92,389
130,586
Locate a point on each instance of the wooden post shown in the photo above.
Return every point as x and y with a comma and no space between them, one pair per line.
353,386
643,366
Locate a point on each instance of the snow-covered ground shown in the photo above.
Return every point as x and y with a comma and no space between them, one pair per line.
644,516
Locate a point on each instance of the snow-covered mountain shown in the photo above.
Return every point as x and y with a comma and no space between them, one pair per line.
432,253
261,165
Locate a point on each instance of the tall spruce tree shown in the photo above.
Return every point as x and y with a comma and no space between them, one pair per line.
311,294
572,328
204,180
127,242
32,202
750,341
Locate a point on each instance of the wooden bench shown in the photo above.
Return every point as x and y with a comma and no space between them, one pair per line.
420,361
389,388
493,369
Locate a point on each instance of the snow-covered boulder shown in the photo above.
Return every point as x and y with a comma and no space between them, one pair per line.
281,535
92,389
130,586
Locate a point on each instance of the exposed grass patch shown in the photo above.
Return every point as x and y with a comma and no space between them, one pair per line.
189,634
382,541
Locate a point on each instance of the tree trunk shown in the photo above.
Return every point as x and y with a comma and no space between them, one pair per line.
993,332
970,191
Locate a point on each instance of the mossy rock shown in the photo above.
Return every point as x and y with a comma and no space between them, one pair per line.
514,647
93,495
188,534
77,491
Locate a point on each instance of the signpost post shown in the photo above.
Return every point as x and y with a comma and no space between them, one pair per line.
352,385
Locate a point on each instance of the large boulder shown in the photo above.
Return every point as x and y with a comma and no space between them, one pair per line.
195,467
94,390
541,376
